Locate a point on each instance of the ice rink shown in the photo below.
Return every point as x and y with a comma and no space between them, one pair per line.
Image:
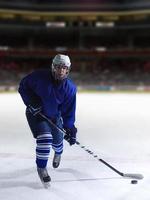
116,127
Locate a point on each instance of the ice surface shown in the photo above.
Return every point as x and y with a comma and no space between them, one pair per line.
116,127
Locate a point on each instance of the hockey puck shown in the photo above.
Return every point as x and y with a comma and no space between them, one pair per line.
134,182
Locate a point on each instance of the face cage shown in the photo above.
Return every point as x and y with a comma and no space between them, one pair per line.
56,76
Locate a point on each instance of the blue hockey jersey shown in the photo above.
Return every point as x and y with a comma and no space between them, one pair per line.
39,88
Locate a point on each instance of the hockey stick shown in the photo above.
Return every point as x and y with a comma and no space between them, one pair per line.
125,175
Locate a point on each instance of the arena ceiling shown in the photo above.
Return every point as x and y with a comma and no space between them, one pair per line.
69,10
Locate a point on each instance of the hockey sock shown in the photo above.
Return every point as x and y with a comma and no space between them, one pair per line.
58,148
44,142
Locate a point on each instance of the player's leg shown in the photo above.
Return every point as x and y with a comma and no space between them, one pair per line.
57,143
42,132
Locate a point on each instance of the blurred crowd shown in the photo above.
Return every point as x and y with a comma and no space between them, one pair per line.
103,72
116,72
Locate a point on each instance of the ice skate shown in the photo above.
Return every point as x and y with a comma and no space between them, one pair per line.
44,176
56,160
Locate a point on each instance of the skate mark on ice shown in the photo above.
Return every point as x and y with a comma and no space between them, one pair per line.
86,179
74,172
75,176
16,155
17,173
17,184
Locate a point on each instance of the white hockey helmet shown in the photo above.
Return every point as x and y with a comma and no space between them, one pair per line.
60,61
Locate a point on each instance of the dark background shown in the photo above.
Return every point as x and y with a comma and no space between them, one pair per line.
108,41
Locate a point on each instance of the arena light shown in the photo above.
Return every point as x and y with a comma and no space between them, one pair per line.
59,49
100,49
4,48
104,24
55,24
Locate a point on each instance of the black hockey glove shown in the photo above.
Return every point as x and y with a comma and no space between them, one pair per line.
70,135
34,110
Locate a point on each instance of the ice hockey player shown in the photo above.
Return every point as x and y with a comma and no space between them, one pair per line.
52,93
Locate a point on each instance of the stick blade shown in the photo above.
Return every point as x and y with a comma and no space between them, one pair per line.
134,176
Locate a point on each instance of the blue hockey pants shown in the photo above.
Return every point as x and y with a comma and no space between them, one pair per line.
46,136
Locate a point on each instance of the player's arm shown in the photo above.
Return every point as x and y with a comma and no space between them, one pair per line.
68,115
26,89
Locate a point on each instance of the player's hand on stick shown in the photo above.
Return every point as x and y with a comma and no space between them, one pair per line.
70,135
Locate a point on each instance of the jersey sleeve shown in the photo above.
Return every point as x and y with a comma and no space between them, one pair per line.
27,90
69,109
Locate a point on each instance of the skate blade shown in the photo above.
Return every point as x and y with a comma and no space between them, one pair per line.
46,185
